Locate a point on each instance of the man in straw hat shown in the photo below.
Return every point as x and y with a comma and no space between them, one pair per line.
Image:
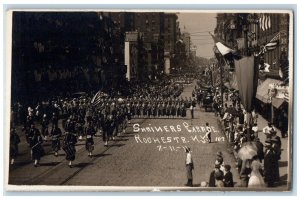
189,167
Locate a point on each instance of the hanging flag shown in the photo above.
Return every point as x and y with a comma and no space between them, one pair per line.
271,46
245,73
269,22
260,20
220,46
96,99
263,22
276,37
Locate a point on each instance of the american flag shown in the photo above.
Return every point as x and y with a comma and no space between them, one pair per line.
271,45
97,98
276,37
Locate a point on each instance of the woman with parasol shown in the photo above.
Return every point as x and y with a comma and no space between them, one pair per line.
247,151
256,180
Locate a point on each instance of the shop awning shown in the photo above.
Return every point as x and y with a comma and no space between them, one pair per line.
262,93
277,102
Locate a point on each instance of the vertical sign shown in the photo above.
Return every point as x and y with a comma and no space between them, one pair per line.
127,59
167,63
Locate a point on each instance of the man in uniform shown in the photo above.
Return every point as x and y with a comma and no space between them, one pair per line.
14,141
36,141
56,134
89,143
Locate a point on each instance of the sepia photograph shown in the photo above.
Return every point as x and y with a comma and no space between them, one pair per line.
150,100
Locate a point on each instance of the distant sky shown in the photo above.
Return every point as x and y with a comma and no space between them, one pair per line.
199,24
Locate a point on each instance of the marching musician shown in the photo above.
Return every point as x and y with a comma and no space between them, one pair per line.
69,147
54,119
14,141
90,132
45,123
36,141
56,134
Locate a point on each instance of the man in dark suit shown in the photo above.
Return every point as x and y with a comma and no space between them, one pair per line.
270,164
260,149
228,178
212,177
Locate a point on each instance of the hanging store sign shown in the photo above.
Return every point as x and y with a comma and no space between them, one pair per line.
131,37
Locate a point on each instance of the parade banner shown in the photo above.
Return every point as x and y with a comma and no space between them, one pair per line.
244,69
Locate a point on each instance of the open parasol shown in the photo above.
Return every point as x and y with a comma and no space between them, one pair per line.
247,151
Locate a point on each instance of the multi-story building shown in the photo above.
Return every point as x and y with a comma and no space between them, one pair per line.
264,35
170,32
186,37
151,26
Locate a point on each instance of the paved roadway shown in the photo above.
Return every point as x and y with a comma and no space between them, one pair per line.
130,161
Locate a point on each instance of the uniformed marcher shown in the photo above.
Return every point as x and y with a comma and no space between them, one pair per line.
89,142
36,141
45,123
54,119
69,147
14,141
56,134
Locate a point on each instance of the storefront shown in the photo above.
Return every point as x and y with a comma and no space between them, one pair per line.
270,101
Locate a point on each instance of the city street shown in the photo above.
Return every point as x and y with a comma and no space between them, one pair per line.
130,161
150,99
141,158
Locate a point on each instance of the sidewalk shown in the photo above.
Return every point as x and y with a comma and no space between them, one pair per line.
284,163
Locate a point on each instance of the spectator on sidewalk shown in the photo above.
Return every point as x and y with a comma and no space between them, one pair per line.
215,173
256,180
276,143
283,123
245,172
219,176
260,149
271,167
255,130
228,178
267,130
